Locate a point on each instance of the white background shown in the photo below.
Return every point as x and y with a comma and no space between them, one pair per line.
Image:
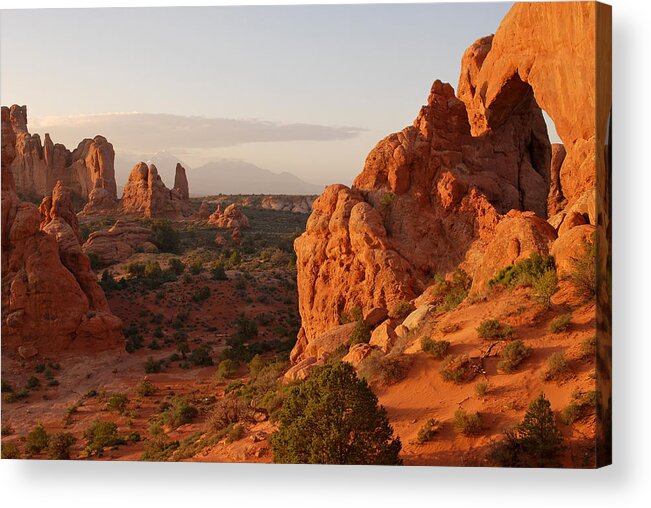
626,483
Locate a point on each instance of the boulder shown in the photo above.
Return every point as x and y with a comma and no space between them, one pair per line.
414,320
230,217
375,316
383,337
570,246
119,242
357,353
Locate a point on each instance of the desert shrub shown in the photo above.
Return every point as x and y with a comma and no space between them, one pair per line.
165,237
37,440
544,287
6,387
481,388
361,333
256,364
576,408
118,402
200,357
153,366
437,348
468,424
513,354
227,411
10,450
246,329
458,369
60,444
226,369
100,435
353,428
235,433
180,413
535,442
32,382
218,272
158,447
589,347
493,329
201,294
561,323
146,389
524,272
196,268
583,275
557,367
428,431
177,266
152,270
387,198
401,310
455,290
136,269
15,396
382,369
40,368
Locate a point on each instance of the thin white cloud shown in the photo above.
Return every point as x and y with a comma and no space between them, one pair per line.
147,132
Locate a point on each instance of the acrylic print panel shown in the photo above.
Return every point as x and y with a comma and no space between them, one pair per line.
233,244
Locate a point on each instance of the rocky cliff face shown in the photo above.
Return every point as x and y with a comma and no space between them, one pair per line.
51,300
37,167
469,184
146,194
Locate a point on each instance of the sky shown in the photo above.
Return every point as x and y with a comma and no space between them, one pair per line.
304,89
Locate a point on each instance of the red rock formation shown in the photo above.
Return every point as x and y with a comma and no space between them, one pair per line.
146,194
181,183
204,211
118,243
548,50
50,297
451,189
88,170
230,217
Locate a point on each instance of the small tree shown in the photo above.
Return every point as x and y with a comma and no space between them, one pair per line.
545,286
37,440
60,444
539,434
333,418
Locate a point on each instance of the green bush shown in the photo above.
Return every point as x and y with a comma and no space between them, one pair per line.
352,427
256,365
165,237
196,268
382,369
513,354
458,369
6,387
32,382
246,329
146,389
493,329
235,433
15,396
180,413
10,450
177,266
218,272
118,402
455,291
226,369
60,444
227,411
437,348
200,357
576,408
468,424
37,440
557,367
482,388
536,442
361,333
561,323
153,366
544,287
203,293
136,269
589,347
524,272
387,198
428,431
401,310
100,435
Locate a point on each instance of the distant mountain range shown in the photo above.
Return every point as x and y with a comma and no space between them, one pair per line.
221,176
